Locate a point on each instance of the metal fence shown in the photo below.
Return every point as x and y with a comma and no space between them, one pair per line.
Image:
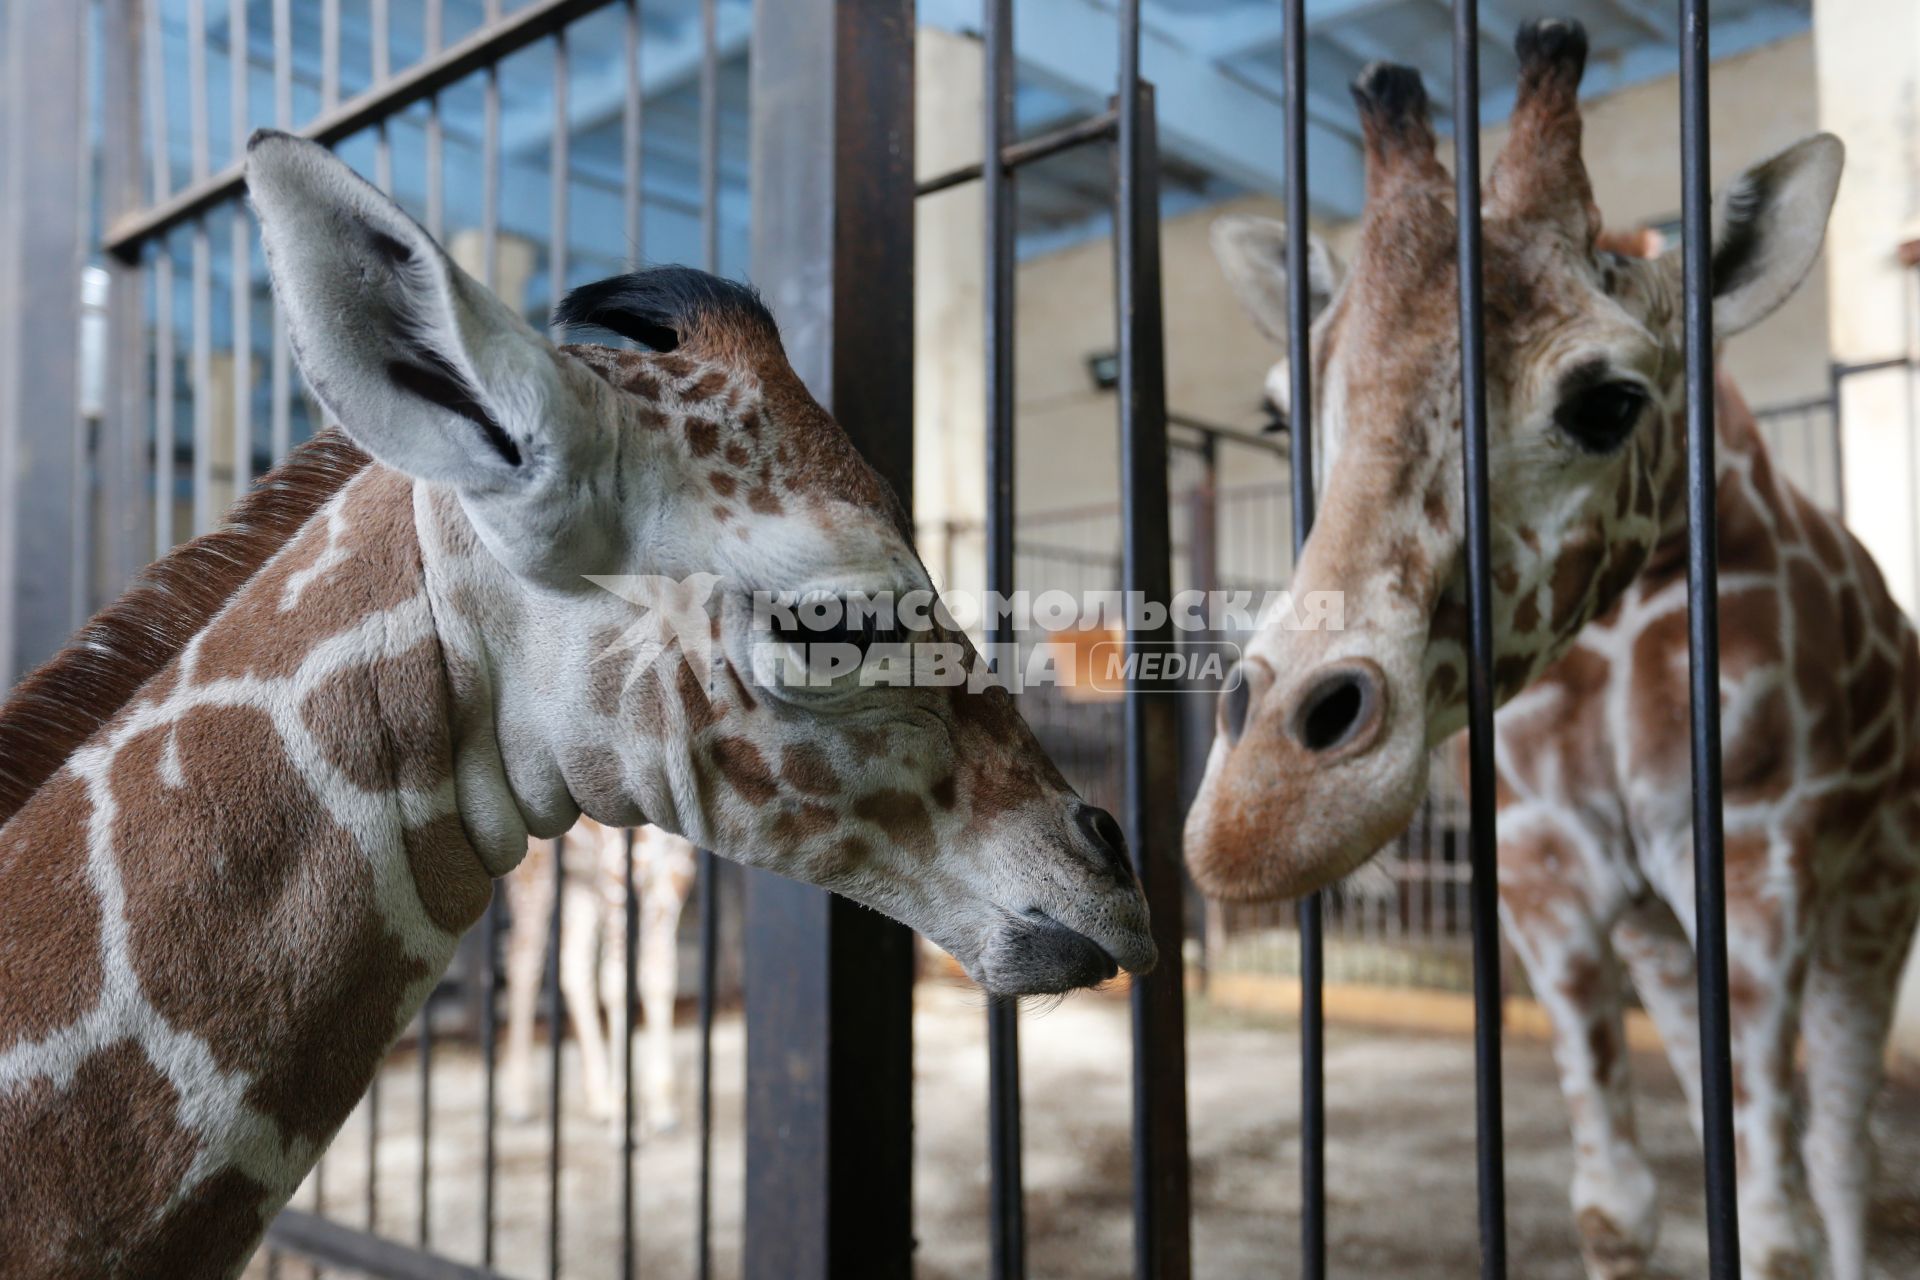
609,164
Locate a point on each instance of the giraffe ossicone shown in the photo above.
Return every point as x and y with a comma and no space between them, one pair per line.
250,810
1323,757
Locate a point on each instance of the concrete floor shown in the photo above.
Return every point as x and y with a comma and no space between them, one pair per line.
1400,1156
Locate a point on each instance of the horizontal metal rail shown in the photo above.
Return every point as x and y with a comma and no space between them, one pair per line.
1277,444
333,1244
478,52
1015,155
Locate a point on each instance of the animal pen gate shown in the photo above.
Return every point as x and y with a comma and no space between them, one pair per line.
184,422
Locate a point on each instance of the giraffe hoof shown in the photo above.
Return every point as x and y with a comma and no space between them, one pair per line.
1611,1253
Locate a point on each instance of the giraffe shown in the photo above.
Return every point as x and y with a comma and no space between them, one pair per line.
1321,754
593,939
252,807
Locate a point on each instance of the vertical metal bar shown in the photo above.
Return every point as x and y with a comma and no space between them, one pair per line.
1162,1227
490,179
708,898
629,992
1489,1136
156,63
562,131
709,136
490,1059
709,954
436,134
123,437
373,1150
163,400
1313,1106
829,985
1703,649
1006,1192
329,54
280,429
631,192
425,1235
556,1032
242,266
204,513
379,19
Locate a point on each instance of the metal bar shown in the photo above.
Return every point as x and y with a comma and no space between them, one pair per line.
629,988
490,1057
1703,651
1016,155
480,51
436,171
373,1151
200,137
426,1123
561,166
1484,848
709,939
490,179
1313,1106
828,984
164,429
556,1030
327,1243
378,18
1212,431
45,174
630,140
280,429
156,63
329,55
242,251
123,437
1006,1192
709,136
1161,1210
204,511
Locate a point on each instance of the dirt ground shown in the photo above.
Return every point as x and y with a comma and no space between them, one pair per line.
1400,1156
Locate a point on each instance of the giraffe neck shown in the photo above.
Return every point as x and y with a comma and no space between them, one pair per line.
217,917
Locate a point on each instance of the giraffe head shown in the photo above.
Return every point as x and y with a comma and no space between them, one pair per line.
1320,753
577,505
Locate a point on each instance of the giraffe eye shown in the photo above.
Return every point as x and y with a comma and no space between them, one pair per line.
849,620
1602,416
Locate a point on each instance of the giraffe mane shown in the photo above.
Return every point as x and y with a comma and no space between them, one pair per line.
60,705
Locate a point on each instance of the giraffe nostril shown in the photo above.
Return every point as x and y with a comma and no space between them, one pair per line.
1100,829
1339,710
1233,706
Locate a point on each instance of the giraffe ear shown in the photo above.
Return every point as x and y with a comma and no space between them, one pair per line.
1767,230
421,366
1252,251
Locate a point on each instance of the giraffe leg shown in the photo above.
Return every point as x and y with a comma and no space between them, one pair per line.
530,899
618,1001
579,965
1851,985
1778,1239
1653,944
1576,977
659,983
